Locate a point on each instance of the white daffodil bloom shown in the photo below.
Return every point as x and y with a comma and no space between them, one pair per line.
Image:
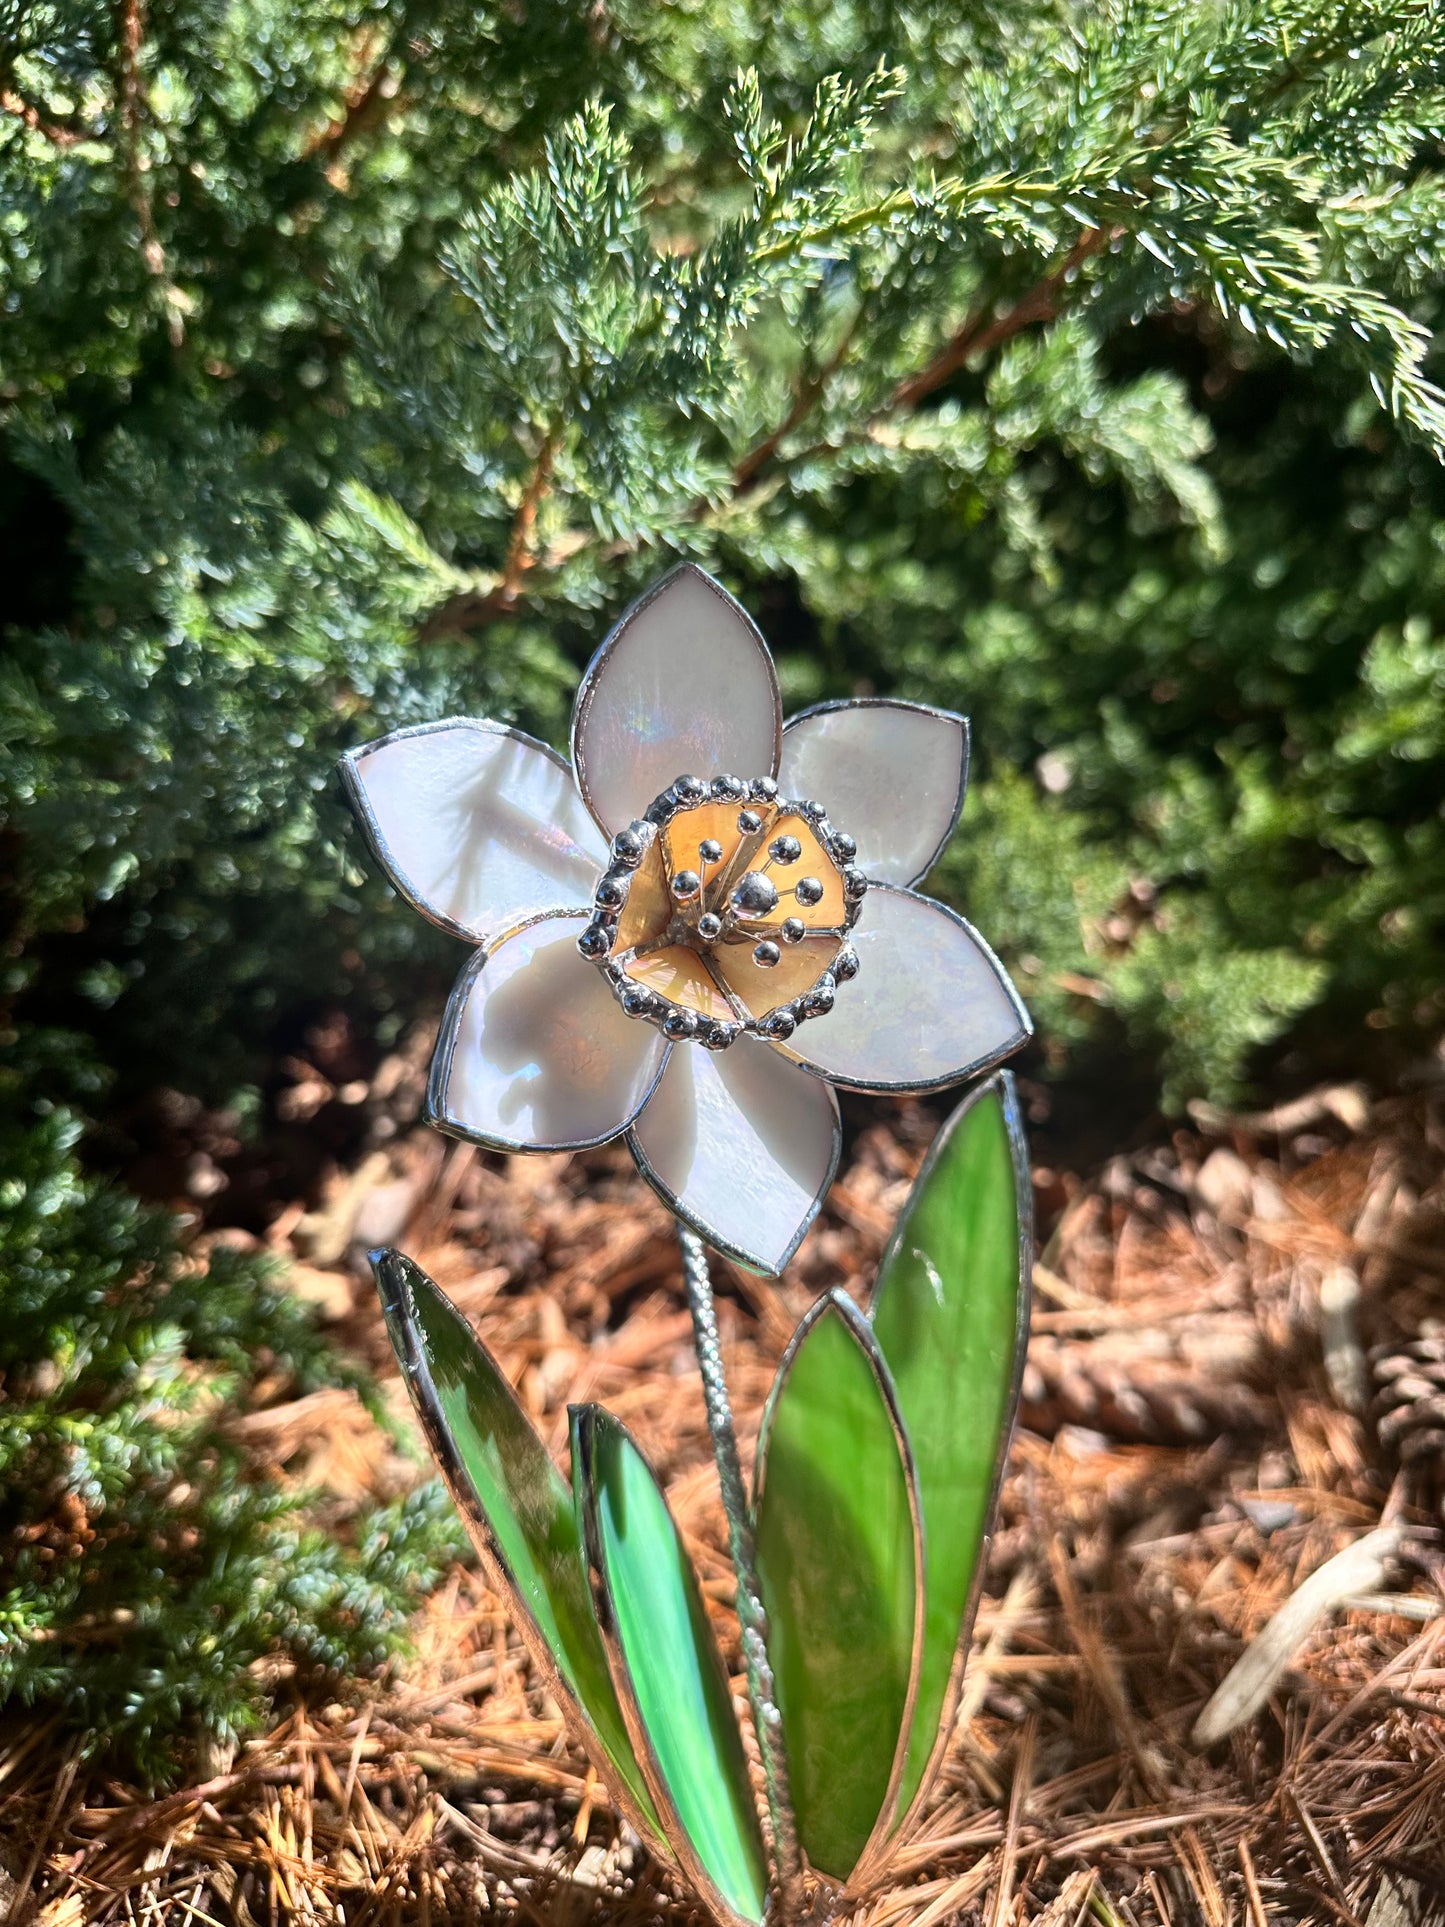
696,929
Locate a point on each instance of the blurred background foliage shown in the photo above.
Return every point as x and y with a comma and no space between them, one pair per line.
1065,364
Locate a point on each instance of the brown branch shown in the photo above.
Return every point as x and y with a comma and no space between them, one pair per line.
761,453
524,526
808,393
474,609
365,108
981,332
131,37
61,131
978,334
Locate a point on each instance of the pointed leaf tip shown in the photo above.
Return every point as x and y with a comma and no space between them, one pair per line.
950,1313
840,1565
518,1512
666,1668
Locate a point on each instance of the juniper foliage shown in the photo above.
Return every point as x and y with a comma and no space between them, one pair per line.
364,359
149,1578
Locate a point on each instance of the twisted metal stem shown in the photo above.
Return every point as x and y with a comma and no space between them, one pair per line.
753,1621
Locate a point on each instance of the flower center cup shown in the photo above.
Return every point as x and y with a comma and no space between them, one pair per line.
727,909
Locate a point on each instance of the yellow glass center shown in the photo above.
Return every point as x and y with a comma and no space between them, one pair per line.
727,909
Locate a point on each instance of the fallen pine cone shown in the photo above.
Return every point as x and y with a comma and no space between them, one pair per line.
1131,1397
1409,1402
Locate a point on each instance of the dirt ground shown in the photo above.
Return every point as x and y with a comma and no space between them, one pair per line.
1218,1402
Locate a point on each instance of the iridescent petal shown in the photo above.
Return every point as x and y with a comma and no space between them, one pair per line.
477,825
930,1004
891,774
534,1052
684,685
742,1147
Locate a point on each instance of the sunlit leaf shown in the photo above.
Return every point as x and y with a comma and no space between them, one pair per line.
666,1667
839,1555
951,1318
517,1508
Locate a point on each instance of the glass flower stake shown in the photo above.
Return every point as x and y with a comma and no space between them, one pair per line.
689,936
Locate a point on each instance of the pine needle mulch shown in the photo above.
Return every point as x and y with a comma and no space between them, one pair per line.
1215,1322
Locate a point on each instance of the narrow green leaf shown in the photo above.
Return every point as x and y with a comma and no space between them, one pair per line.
666,1668
840,1552
950,1313
517,1508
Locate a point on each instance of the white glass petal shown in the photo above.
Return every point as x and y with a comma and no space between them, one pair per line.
930,1004
535,1053
891,774
683,686
478,825
742,1146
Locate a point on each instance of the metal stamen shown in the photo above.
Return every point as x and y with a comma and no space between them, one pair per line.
750,899
755,895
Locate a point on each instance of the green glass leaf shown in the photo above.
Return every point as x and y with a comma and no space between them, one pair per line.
950,1313
519,1512
840,1564
667,1669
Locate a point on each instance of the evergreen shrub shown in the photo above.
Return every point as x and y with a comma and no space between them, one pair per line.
150,1580
359,361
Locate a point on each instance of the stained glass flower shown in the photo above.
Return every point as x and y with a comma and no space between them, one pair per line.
696,929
